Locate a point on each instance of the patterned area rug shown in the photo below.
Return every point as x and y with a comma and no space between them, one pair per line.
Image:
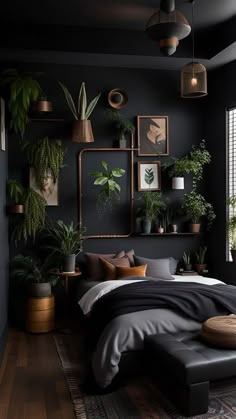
137,399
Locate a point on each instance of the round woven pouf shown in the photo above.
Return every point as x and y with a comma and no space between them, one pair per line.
220,331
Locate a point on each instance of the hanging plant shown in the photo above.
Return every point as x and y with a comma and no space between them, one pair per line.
33,219
109,193
23,90
45,156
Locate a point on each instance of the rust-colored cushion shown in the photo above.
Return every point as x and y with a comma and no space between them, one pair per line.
109,266
122,272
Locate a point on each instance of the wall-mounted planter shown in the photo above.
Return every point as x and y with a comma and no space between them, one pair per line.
16,209
42,106
82,131
178,183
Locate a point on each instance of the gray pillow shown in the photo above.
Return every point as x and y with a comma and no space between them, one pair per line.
156,268
173,265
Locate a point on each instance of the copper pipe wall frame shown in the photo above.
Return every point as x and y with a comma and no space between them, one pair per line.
80,192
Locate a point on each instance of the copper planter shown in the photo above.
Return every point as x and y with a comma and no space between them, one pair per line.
16,209
82,131
42,106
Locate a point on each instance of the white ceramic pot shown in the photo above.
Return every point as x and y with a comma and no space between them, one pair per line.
178,183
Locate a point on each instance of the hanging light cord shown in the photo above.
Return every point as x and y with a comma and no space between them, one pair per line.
193,32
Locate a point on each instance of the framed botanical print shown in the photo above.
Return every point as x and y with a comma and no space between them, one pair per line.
153,136
50,188
149,176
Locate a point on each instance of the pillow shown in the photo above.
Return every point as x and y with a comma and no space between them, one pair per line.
94,268
129,254
133,271
156,268
173,265
109,267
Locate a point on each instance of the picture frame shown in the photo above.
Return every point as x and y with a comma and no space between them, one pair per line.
50,193
149,176
153,135
2,125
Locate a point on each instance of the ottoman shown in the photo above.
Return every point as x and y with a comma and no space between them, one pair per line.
183,364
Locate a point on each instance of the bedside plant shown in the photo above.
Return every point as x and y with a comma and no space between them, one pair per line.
195,207
109,193
187,261
200,259
82,130
23,90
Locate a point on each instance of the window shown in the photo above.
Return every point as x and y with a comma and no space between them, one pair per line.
231,134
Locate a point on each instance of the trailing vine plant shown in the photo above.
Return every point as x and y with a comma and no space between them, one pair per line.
44,155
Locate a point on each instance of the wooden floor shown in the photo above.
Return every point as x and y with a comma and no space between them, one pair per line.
32,383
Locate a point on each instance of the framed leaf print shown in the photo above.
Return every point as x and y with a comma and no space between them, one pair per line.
149,176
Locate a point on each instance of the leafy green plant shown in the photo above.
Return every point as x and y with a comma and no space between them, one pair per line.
28,269
187,258
152,204
83,110
34,216
65,239
166,217
122,124
195,206
109,193
44,156
15,191
231,223
200,255
23,90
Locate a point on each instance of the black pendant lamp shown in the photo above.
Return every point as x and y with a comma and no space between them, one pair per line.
193,75
168,26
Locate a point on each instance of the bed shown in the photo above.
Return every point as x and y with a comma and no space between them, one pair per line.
123,331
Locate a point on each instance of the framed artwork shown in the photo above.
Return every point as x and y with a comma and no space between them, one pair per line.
149,176
153,136
2,123
50,190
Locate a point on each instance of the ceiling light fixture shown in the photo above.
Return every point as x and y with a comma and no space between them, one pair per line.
193,75
168,26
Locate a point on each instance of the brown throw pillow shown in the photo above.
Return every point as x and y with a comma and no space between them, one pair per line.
94,268
122,273
109,267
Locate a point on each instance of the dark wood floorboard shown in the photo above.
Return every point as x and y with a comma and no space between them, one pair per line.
32,382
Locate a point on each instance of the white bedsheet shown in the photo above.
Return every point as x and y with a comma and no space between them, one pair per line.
91,296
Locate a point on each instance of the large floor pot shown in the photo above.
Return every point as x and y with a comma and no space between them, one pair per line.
40,289
82,131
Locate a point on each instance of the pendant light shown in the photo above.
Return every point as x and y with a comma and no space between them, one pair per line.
193,75
168,26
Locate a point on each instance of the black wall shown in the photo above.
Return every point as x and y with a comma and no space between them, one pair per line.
222,95
150,93
4,250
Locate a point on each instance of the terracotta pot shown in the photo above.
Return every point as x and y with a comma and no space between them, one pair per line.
194,228
42,106
82,131
16,209
200,267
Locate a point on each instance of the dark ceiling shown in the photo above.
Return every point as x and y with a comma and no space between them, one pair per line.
112,32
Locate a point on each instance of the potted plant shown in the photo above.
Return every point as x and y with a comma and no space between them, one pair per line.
187,261
82,129
195,207
152,205
30,273
200,259
42,105
23,90
199,156
66,241
109,193
15,195
44,156
34,217
231,226
122,124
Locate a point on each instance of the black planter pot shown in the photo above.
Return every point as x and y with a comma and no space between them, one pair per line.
40,290
233,254
146,226
188,267
69,263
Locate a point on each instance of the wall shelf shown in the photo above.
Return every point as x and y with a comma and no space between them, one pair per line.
167,234
34,119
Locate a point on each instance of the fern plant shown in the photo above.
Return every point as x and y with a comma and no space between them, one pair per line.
109,193
66,239
44,155
33,219
23,90
83,110
123,125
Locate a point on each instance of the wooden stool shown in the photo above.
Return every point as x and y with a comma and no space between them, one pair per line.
40,314
220,331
